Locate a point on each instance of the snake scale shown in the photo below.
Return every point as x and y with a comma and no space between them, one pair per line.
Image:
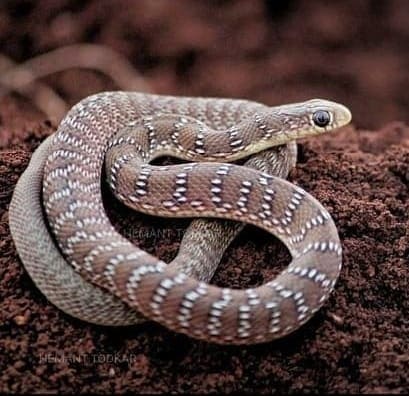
123,132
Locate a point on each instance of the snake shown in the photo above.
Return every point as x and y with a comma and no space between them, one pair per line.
116,135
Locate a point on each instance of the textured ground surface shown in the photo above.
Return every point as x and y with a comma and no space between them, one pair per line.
359,341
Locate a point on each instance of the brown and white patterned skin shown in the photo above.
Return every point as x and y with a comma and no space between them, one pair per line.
201,248
134,129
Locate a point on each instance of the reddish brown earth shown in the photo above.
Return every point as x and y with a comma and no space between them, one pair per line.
354,52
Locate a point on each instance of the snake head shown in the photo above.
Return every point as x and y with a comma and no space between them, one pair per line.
326,115
312,117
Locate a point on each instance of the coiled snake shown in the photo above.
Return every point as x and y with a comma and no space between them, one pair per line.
124,132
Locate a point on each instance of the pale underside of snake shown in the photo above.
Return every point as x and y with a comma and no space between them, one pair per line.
126,131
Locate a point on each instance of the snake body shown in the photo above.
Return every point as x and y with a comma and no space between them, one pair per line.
201,249
129,130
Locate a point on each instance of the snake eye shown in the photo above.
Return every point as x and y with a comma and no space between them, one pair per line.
321,118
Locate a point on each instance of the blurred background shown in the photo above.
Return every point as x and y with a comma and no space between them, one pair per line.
274,51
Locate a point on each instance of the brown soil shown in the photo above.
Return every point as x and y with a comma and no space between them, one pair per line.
267,51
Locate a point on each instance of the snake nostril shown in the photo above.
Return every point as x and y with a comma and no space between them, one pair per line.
321,118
